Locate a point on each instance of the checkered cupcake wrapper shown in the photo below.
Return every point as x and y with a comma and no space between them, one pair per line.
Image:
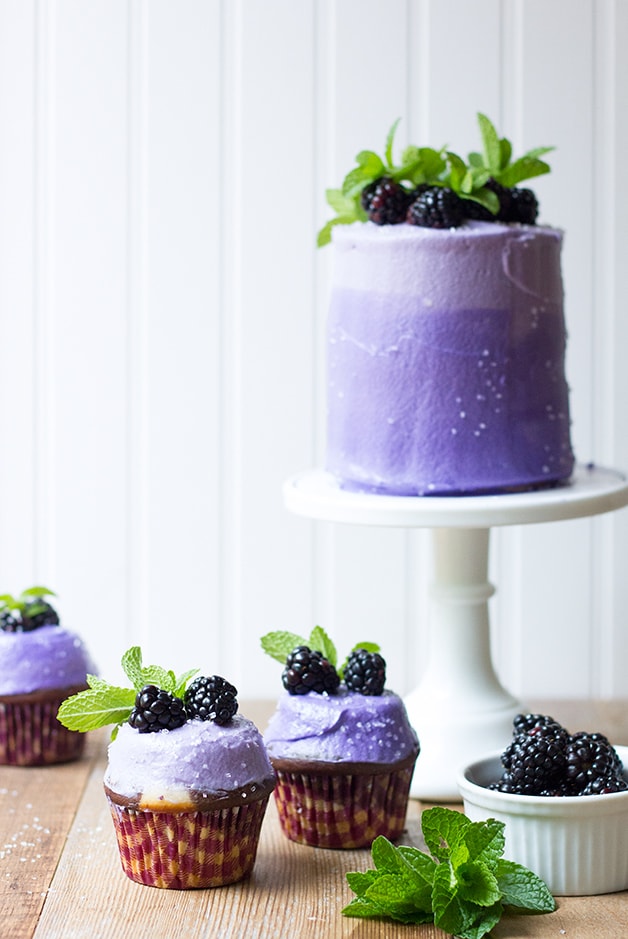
31,735
342,811
188,850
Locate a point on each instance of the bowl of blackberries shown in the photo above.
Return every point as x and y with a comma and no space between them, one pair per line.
563,798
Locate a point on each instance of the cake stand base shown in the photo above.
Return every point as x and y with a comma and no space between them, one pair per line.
459,709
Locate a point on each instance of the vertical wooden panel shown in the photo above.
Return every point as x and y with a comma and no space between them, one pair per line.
538,607
608,624
271,230
183,373
363,568
84,466
19,208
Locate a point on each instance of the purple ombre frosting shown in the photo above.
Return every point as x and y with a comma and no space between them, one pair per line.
446,358
347,727
50,657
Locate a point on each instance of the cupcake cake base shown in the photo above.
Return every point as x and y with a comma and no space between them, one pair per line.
342,805
31,735
199,847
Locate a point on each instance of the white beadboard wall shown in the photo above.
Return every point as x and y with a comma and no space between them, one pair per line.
162,314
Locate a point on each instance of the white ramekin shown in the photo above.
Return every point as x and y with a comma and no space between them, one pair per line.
577,844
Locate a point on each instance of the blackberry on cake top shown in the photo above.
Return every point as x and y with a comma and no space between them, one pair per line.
157,700
437,188
28,611
311,665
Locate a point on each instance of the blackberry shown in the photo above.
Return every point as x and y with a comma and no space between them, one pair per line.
436,207
211,699
10,623
156,709
307,670
535,724
477,212
534,764
523,207
385,201
505,200
592,765
38,612
365,672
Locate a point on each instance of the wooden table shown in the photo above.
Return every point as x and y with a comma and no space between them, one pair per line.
60,873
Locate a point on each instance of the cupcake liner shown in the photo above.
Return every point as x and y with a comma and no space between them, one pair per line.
31,735
185,850
342,811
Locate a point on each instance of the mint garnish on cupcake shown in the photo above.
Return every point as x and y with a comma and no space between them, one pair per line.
312,664
437,188
102,703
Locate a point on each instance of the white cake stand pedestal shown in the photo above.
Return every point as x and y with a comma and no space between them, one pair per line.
460,709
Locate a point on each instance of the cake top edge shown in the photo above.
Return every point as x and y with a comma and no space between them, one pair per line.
368,231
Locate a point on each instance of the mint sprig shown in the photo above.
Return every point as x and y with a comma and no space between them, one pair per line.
496,157
436,167
279,644
102,703
463,885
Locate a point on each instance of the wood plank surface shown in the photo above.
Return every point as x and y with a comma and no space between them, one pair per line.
37,808
53,888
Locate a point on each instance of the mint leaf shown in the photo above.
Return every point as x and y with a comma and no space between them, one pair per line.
319,641
522,888
182,682
367,646
279,644
423,865
457,171
88,710
491,144
96,683
398,899
37,592
362,908
449,913
324,236
339,202
443,829
156,675
524,168
485,841
505,152
132,665
477,883
390,137
360,881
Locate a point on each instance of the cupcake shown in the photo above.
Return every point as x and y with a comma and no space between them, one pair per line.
340,743
41,663
188,779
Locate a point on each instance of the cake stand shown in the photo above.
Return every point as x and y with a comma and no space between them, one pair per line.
460,709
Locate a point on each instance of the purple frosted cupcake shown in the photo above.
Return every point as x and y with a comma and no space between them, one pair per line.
188,804
41,663
343,751
188,779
